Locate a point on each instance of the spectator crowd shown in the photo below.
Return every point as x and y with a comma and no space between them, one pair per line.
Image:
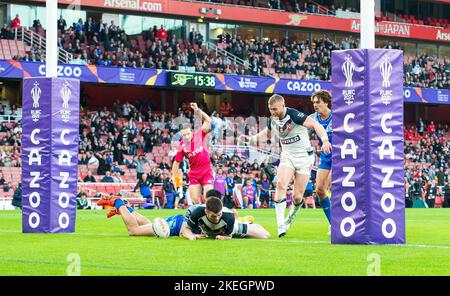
427,162
98,43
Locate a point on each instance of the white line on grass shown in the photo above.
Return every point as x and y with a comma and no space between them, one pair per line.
329,243
73,233
118,268
295,241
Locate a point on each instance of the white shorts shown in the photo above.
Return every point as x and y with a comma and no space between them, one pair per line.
301,164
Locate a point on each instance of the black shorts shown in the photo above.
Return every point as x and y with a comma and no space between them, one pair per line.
264,197
228,201
308,193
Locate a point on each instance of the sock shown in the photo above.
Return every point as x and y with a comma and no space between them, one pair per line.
326,206
130,209
299,204
280,208
295,209
118,203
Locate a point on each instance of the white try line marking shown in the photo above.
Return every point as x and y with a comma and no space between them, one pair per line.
329,243
284,240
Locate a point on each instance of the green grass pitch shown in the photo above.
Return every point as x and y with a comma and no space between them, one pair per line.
104,248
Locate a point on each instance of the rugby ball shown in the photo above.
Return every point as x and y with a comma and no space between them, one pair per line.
161,228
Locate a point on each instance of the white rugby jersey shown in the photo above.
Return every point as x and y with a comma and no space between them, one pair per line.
294,137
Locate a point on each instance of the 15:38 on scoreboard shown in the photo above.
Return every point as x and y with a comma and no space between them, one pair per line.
192,80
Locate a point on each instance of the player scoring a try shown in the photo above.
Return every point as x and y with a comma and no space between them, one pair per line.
297,156
193,146
201,221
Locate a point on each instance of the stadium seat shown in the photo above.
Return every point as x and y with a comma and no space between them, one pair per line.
12,46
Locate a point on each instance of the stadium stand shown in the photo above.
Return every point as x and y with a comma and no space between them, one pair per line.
331,9
285,59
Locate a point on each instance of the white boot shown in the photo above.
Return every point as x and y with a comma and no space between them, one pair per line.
281,230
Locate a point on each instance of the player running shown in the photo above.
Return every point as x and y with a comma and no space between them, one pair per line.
193,146
322,103
296,157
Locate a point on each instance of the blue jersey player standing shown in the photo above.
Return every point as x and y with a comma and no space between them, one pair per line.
322,106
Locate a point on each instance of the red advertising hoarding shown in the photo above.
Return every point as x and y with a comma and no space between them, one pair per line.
253,15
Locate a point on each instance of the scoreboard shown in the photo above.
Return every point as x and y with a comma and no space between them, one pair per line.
192,80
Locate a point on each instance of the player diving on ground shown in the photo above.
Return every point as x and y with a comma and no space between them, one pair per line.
201,221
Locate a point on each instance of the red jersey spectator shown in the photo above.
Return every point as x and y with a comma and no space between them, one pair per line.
408,135
416,136
15,23
162,33
431,128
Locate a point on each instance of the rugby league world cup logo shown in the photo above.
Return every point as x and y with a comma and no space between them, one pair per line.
35,95
348,68
386,71
65,95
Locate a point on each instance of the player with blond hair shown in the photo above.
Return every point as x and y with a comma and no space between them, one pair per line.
297,156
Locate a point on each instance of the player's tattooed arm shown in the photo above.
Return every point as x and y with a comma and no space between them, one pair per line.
320,131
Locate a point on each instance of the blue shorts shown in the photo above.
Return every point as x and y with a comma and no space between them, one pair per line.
175,224
325,161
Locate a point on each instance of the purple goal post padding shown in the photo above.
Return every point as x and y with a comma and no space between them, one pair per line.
50,128
368,201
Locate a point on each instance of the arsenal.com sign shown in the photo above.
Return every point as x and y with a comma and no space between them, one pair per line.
442,36
134,4
140,5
